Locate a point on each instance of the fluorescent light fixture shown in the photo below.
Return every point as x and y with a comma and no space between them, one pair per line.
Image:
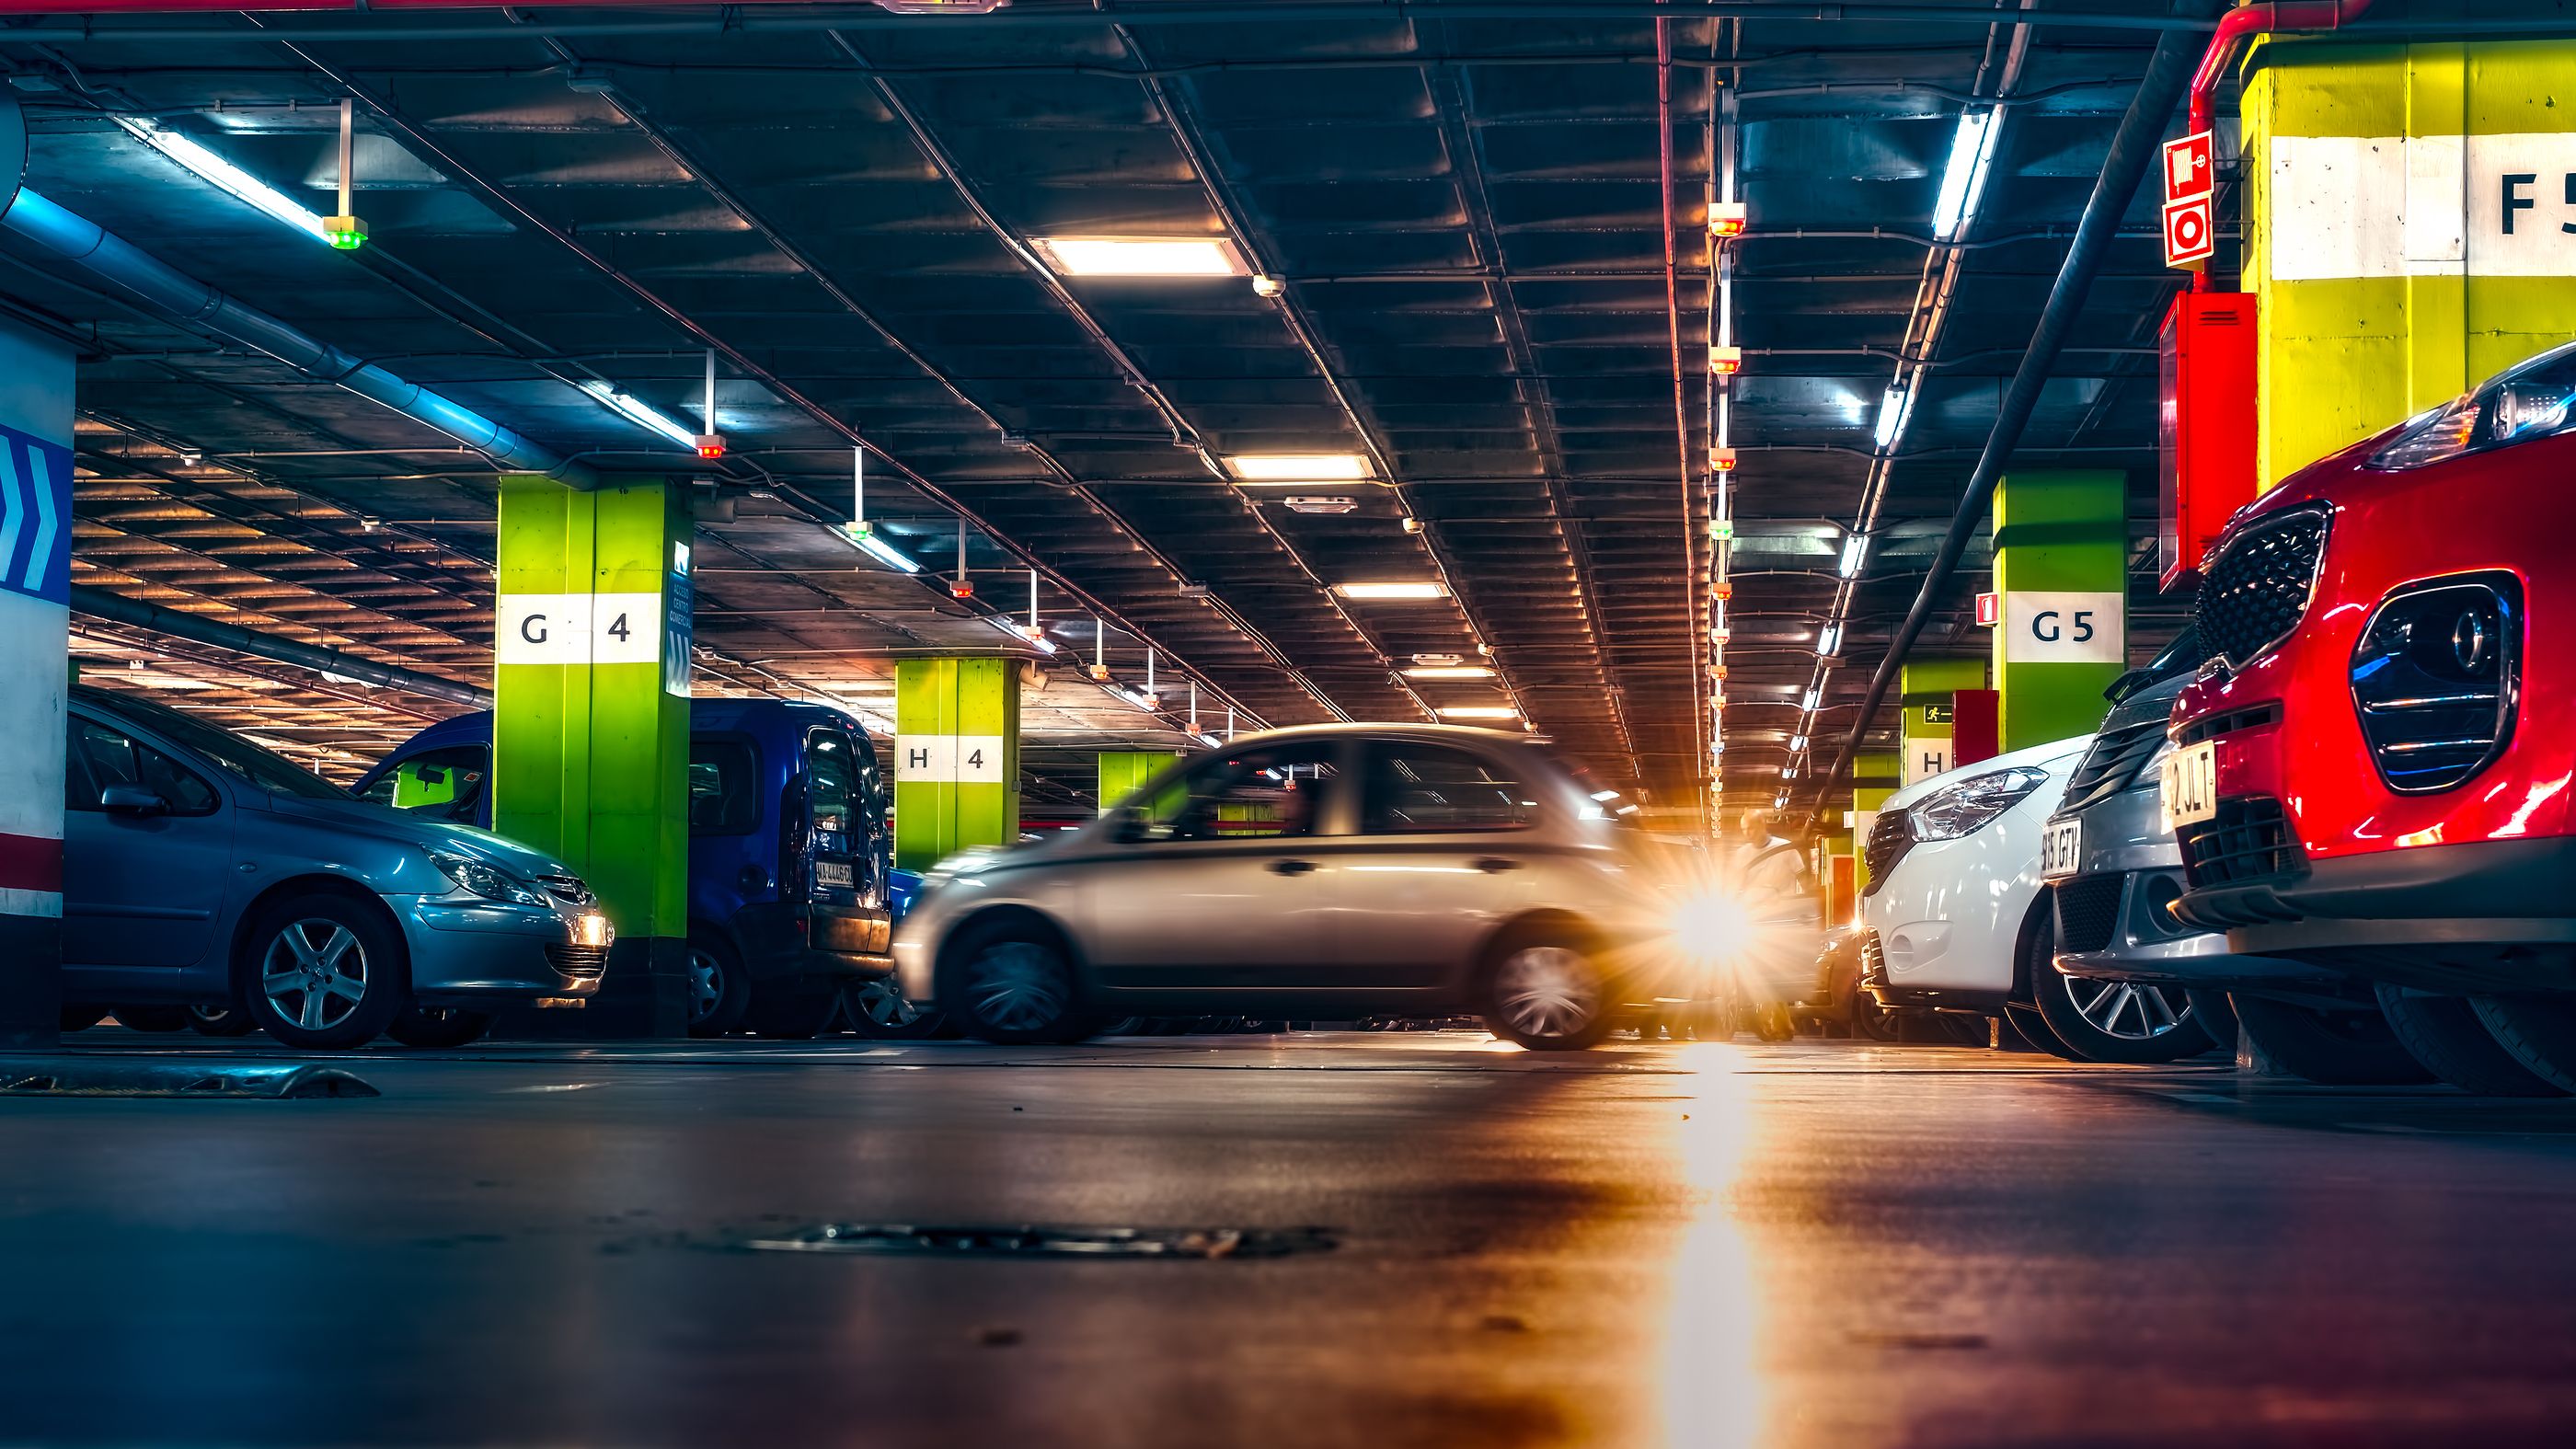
1894,411
1479,711
1392,590
1832,642
877,548
635,410
1814,697
1855,553
1210,741
1297,467
1449,671
1605,795
1972,150
1625,810
1016,630
1142,256
225,174
1797,744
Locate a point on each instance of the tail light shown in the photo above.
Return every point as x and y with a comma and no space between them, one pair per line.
2435,679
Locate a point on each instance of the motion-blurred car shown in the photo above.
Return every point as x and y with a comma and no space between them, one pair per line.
200,869
2372,773
790,861
1336,872
1953,916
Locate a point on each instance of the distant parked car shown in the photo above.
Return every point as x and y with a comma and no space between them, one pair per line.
201,870
1334,872
790,860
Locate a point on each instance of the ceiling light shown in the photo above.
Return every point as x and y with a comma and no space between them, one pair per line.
1479,711
635,410
1142,256
1392,590
1297,467
1832,642
1894,411
1625,810
1605,795
1449,671
1855,553
866,541
1312,503
1972,150
1814,697
225,174
1038,641
1797,744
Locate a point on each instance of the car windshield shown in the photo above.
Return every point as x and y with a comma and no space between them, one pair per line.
230,752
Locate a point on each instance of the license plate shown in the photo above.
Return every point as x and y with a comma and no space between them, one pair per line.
833,873
2191,784
2059,849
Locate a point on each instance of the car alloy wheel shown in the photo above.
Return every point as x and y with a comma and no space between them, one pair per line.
320,966
2128,1010
1546,993
706,984
1016,988
883,1004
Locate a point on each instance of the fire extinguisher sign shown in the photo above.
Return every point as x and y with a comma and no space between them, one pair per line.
2189,181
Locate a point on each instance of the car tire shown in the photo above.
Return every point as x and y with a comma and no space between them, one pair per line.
2539,1031
1013,984
2217,1014
2447,1036
877,1009
1547,994
154,1019
80,1016
786,1008
433,1028
2025,1018
1873,1022
718,992
2331,1048
2133,1023
322,939
228,1019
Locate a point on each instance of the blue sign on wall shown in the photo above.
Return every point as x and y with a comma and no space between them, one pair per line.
35,516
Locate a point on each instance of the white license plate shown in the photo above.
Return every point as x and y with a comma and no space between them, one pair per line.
2191,784
2059,849
833,873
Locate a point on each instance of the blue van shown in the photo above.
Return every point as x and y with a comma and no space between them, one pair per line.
790,861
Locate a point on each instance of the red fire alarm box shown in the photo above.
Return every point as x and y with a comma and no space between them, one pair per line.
2205,423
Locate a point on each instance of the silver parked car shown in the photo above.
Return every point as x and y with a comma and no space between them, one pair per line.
201,870
1332,871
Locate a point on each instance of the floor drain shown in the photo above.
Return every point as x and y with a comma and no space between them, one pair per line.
1045,1242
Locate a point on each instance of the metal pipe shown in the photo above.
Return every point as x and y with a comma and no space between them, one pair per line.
2133,148
101,256
2237,24
116,608
1696,623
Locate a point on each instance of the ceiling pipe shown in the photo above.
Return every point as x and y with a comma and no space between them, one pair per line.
116,608
2133,148
100,255
1697,622
2262,18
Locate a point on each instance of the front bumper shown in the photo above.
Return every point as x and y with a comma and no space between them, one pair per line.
490,951
2112,919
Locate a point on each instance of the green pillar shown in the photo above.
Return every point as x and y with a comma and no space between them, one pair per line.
1875,776
2062,567
956,757
590,723
1123,772
2379,183
1926,686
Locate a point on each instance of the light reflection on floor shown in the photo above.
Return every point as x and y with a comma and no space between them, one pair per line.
1713,1391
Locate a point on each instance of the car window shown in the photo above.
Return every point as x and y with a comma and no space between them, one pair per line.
723,791
1269,793
443,784
223,750
831,781
108,756
1422,789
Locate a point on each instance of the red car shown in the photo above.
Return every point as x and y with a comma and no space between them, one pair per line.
2373,773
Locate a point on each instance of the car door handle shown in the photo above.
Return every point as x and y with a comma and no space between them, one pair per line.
1494,864
1291,867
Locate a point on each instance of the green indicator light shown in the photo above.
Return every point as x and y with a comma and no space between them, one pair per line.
347,233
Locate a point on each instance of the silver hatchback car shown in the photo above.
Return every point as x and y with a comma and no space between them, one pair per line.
1334,871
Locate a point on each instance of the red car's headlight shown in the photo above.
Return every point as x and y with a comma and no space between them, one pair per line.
2534,399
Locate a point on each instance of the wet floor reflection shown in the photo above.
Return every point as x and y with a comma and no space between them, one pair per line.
1713,1392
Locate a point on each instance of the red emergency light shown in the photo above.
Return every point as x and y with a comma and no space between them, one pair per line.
2205,424
710,446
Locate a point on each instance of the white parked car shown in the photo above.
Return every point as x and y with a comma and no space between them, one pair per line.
1952,908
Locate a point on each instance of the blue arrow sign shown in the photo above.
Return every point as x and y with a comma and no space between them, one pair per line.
35,516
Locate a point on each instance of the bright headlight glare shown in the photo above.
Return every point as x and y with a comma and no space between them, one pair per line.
1970,805
1711,926
489,881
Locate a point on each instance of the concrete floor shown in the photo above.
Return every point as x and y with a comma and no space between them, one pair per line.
1821,1243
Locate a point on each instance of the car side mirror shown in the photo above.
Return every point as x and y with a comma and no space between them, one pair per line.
131,800
1129,828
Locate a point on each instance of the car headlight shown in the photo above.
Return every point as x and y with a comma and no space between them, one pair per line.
1968,806
486,880
2534,399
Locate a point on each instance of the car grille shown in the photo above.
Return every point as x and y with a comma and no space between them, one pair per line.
2432,717
566,888
2088,911
1890,836
2248,841
2112,765
574,960
2258,586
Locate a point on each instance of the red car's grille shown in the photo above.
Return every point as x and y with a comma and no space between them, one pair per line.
2248,841
2259,584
